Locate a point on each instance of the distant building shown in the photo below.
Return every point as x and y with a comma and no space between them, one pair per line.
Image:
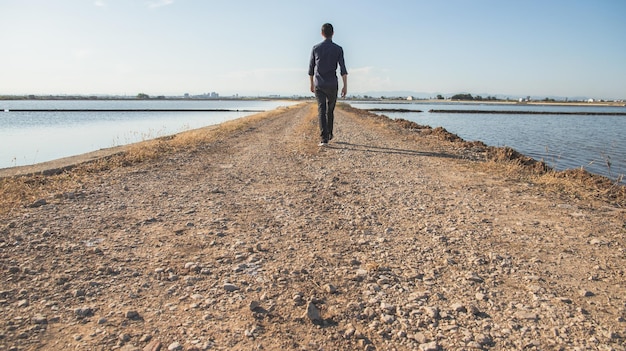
409,98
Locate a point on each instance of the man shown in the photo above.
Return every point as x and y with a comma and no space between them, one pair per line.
325,57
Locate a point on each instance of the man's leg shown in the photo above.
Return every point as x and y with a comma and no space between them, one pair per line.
322,111
330,113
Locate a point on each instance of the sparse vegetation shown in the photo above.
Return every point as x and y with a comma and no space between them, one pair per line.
20,191
23,190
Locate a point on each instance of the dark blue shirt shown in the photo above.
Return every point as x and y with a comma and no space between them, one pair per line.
325,57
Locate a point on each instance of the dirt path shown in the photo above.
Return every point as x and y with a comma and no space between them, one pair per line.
387,238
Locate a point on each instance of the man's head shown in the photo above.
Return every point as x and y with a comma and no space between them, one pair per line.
327,30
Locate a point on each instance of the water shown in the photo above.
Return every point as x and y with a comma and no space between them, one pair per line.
562,141
32,137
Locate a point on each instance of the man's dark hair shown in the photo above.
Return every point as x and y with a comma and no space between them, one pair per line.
327,30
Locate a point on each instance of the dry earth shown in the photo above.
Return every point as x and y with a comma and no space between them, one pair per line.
387,239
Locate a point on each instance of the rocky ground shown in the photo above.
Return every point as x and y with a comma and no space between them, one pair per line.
387,239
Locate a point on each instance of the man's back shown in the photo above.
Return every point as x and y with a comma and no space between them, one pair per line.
325,57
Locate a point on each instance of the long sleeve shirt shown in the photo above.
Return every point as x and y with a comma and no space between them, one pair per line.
325,57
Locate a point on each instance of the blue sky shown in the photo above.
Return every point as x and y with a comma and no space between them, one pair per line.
170,47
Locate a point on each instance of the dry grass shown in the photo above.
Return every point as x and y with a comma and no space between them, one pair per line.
309,130
576,183
25,190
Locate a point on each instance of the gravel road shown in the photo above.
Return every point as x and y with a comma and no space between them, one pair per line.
386,239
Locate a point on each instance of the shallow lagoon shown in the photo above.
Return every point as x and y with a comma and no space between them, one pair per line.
562,141
31,137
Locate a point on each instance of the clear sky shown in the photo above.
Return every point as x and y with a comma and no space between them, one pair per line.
170,47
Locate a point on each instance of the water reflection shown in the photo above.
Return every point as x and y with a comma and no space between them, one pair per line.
562,141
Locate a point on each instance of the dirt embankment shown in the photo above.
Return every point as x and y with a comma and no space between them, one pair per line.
390,238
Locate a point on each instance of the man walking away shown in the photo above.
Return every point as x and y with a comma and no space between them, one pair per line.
325,57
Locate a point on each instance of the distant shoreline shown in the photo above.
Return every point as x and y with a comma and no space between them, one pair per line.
496,102
395,100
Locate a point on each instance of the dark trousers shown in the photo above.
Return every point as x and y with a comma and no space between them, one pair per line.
326,100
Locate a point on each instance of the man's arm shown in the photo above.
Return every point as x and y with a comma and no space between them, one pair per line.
312,69
344,73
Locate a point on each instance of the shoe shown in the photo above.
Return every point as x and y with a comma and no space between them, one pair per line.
323,143
330,137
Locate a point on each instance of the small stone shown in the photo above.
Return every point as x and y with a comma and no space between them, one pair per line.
175,346
22,303
313,313
432,312
483,339
586,293
39,319
254,305
132,314
145,338
38,203
481,296
420,338
387,319
458,307
297,299
430,346
154,345
473,277
389,308
331,289
360,274
84,312
102,320
564,300
349,332
529,316
124,337
419,295
230,287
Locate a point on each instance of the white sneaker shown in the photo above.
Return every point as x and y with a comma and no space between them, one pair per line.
322,143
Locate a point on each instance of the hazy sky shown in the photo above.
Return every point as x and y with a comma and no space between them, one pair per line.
530,47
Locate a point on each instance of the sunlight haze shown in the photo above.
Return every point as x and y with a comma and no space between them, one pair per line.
172,47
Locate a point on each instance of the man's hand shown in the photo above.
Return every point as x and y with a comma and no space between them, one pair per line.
313,88
344,90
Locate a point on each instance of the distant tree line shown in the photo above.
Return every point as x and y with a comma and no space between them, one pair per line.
469,97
